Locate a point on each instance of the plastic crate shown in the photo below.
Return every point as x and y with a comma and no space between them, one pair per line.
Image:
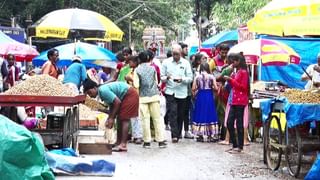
55,120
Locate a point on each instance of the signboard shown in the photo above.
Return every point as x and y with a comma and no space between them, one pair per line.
244,34
14,33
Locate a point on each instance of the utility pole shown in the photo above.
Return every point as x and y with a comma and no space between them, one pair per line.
198,15
29,23
130,29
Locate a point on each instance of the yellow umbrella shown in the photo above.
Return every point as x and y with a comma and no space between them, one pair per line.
287,17
60,23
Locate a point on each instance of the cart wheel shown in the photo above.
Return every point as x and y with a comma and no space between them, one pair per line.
273,144
251,125
75,143
66,129
293,151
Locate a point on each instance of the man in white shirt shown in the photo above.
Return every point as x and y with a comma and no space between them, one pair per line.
177,74
313,71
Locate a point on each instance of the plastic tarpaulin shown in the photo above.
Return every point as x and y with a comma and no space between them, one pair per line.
21,153
79,166
295,113
220,38
314,172
307,48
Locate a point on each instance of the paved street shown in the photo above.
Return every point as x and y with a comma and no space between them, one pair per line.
188,160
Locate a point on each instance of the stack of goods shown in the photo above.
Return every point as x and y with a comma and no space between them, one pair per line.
301,96
88,118
40,85
94,104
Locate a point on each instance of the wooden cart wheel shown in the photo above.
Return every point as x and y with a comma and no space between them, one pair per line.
293,152
273,143
251,125
66,129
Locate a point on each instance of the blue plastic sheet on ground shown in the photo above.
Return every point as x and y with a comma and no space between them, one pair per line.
79,166
65,151
296,114
21,153
314,172
307,48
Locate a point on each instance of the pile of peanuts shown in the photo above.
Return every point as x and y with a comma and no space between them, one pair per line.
40,85
301,96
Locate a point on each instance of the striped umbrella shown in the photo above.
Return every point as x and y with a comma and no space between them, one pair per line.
91,55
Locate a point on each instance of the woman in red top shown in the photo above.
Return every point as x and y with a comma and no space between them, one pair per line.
239,82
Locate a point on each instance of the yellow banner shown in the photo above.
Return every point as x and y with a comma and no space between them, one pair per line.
265,27
275,58
45,32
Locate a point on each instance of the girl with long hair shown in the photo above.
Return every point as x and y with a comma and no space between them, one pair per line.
239,82
205,119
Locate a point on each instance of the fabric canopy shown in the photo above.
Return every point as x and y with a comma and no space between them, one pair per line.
220,38
307,48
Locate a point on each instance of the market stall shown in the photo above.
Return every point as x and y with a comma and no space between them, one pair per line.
291,128
54,109
59,131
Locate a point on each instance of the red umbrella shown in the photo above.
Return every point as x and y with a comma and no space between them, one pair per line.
22,52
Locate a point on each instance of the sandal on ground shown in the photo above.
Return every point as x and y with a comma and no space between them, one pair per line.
223,143
200,139
229,150
246,144
212,139
119,149
236,151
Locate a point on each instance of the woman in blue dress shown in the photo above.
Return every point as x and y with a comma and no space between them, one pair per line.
205,119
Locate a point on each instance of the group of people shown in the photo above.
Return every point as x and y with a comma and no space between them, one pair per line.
194,91
219,95
206,97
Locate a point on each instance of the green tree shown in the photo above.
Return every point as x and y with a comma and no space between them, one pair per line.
237,13
168,14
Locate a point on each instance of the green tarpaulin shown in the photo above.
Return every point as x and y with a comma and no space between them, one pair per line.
21,153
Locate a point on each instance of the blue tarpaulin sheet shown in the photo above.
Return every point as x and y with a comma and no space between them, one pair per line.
220,38
307,48
296,114
314,172
79,166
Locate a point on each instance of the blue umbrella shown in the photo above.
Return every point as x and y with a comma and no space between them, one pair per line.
220,38
90,54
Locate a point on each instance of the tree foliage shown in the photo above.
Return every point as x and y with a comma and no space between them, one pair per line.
168,14
238,12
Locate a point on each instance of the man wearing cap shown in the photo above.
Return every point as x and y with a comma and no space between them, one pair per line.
312,75
75,74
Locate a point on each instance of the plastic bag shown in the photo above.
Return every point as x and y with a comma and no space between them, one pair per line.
80,166
21,153
314,172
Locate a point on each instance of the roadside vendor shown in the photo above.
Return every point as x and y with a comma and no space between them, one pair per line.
13,71
312,75
75,74
123,101
50,67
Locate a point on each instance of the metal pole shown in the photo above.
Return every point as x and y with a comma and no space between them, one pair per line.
130,27
28,22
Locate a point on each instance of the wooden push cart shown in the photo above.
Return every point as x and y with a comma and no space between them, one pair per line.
66,135
291,137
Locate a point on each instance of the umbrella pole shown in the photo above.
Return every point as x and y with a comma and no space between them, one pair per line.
252,73
260,69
